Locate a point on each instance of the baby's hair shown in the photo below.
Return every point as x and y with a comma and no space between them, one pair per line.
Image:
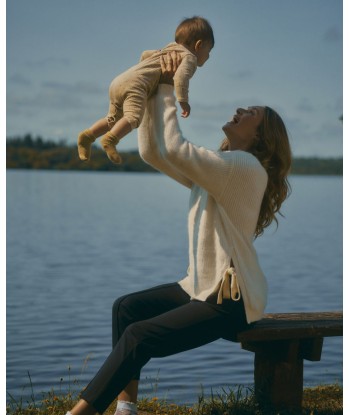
192,29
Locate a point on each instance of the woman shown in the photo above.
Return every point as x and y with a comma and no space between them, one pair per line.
235,194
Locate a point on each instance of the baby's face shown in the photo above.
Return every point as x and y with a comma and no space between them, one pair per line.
202,52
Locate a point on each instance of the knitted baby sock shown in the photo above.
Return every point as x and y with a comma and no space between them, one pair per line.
109,141
85,139
126,408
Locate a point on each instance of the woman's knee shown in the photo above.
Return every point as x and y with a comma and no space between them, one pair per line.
120,318
119,306
126,310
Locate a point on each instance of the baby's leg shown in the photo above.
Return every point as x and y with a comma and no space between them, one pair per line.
133,109
100,127
87,137
120,129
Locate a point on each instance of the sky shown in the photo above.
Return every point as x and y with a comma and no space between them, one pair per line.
62,55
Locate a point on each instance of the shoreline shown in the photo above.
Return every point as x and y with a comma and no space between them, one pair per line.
36,153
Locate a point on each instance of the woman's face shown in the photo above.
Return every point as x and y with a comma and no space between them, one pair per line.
241,131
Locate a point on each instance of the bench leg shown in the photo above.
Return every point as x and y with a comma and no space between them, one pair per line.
278,373
278,383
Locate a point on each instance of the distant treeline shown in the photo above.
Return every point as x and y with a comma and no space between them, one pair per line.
36,153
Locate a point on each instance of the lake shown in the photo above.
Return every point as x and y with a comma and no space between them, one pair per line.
78,240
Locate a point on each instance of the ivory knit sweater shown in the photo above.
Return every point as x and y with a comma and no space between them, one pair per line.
226,193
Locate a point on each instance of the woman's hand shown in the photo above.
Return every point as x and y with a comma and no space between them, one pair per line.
169,64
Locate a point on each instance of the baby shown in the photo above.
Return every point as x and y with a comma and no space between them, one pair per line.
129,91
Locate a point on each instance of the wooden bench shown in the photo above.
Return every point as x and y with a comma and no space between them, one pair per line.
281,342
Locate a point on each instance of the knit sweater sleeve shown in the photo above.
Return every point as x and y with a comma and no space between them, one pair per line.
151,139
208,169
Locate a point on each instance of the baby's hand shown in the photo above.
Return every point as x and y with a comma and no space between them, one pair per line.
186,109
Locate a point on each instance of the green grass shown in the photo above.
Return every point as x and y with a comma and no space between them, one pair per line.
321,400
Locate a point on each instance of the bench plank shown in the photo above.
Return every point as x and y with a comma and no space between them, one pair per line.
294,326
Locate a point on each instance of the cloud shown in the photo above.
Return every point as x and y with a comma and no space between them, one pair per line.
19,80
48,61
296,127
43,101
80,87
243,74
330,131
305,105
222,109
53,96
332,34
336,105
240,74
207,111
310,137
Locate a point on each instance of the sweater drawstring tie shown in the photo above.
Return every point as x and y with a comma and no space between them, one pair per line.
229,288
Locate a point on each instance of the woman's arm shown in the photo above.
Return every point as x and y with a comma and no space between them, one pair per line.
208,169
149,145
162,145
148,137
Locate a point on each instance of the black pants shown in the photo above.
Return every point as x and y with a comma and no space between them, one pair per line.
158,322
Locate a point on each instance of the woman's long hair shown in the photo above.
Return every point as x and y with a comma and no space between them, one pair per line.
273,150
274,153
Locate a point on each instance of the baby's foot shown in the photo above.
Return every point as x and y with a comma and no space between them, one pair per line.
85,139
109,141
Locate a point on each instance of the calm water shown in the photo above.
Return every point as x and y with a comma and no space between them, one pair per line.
77,241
